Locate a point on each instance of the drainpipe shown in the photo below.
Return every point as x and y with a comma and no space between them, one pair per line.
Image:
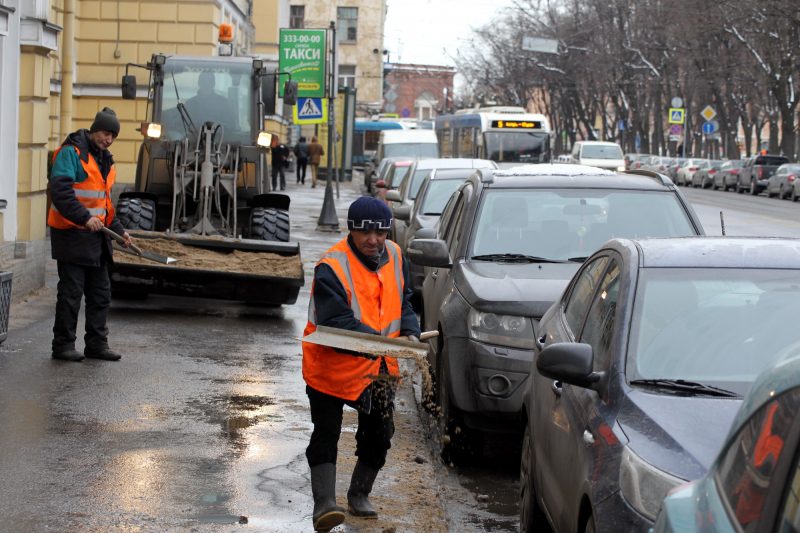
67,68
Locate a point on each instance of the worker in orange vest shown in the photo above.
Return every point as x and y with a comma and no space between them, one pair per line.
360,284
79,187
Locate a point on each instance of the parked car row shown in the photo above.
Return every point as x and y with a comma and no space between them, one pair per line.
584,310
773,174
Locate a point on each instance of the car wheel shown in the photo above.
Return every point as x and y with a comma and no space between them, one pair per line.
739,188
793,195
458,442
531,517
753,188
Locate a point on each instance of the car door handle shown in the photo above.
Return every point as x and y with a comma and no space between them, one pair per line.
435,275
556,388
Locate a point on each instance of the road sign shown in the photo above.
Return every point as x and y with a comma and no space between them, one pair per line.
302,54
538,44
710,127
676,129
676,115
310,111
676,101
708,112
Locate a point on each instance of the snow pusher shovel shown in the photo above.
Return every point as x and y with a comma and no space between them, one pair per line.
135,250
365,343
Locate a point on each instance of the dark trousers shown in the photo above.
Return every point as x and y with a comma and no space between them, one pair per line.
302,163
75,282
278,169
374,434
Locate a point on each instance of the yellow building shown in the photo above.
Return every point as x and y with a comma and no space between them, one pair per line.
60,62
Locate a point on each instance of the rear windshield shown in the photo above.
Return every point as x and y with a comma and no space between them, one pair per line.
416,150
771,160
437,194
567,224
601,151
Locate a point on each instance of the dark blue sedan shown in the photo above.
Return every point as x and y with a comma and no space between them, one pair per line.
640,368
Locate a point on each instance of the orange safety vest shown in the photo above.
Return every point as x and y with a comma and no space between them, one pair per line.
94,193
376,299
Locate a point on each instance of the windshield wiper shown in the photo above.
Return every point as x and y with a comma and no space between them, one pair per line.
683,385
578,259
522,258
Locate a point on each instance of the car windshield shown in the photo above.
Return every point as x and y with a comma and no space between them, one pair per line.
601,151
564,224
516,146
218,92
437,194
771,160
718,326
396,175
418,150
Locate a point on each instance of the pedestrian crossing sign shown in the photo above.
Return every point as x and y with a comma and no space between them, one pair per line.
310,111
676,115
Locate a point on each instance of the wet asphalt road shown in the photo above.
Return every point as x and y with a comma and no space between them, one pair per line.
203,424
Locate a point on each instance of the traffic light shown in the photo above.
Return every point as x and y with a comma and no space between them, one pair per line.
290,93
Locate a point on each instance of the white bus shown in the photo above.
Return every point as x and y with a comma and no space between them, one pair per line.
507,135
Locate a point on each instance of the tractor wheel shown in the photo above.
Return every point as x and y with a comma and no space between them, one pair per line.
269,224
137,213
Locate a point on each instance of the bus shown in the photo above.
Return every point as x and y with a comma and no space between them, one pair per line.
510,136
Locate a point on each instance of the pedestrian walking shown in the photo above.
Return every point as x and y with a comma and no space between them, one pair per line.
80,185
280,154
315,153
301,153
361,284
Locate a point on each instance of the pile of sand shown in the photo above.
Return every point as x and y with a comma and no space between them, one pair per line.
186,256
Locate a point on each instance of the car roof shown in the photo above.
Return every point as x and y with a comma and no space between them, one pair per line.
455,162
557,175
717,252
450,174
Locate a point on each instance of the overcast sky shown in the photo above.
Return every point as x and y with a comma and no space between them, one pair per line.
428,31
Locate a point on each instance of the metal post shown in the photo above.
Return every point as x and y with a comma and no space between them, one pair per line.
328,220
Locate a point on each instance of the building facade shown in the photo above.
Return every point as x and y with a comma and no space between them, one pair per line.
418,91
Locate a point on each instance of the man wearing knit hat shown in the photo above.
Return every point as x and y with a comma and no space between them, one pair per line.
360,284
80,206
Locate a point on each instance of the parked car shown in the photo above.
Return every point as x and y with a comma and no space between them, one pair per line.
660,164
781,183
756,171
630,159
640,368
379,172
401,200
600,154
672,168
704,177
506,245
687,170
752,486
728,175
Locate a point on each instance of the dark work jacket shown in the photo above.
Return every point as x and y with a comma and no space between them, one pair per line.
79,246
330,298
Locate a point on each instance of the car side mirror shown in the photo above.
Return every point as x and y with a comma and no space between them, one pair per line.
128,87
393,195
425,233
402,212
569,362
429,252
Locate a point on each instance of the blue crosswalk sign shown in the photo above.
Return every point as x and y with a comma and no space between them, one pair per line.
309,108
676,115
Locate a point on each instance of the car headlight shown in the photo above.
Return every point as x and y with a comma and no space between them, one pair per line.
621,168
644,486
505,330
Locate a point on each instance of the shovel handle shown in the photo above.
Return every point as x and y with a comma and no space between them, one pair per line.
114,235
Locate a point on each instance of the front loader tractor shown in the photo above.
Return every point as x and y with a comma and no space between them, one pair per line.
201,176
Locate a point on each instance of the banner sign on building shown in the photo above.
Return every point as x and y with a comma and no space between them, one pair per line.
302,54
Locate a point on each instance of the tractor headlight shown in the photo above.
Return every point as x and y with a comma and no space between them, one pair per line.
505,330
153,130
644,486
264,139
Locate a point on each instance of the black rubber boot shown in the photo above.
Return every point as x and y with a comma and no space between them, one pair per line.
360,487
67,354
327,514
